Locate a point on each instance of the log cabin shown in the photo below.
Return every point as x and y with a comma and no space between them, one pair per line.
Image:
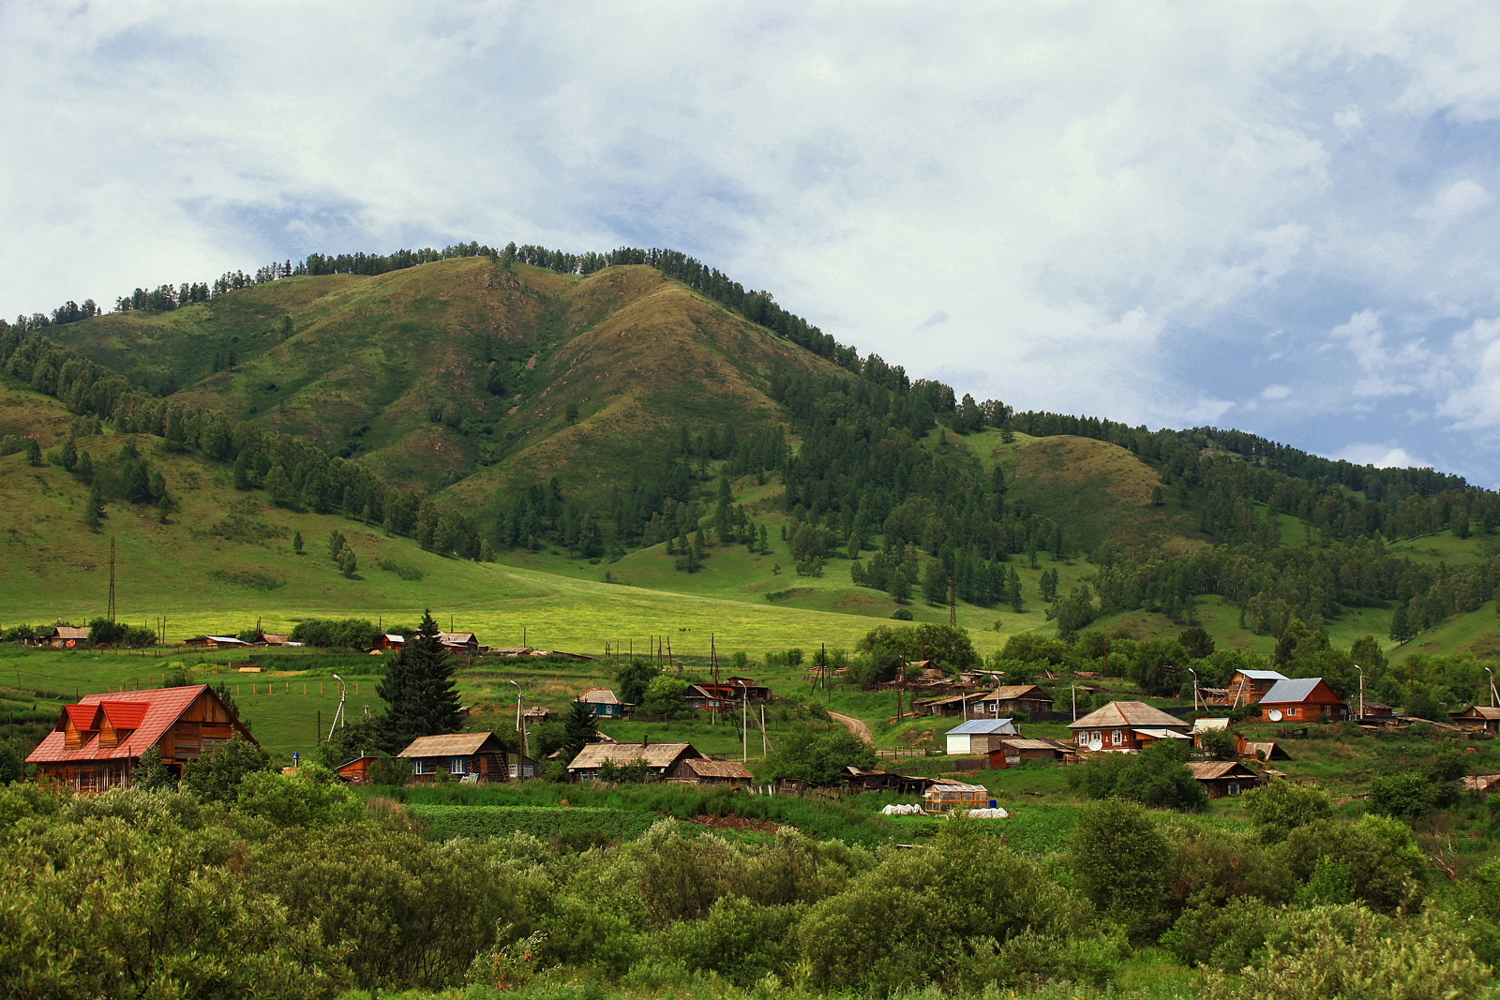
477,757
1478,718
1246,686
1125,725
98,742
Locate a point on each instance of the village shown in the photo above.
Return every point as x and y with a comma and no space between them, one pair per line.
98,741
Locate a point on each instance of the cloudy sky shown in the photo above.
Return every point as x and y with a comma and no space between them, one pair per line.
1274,216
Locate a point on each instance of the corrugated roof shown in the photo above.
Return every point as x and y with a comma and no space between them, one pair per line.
654,754
949,785
1291,691
599,696
1013,691
164,706
71,631
982,727
1126,713
1030,744
1157,733
1207,725
1479,711
446,745
1262,675
719,769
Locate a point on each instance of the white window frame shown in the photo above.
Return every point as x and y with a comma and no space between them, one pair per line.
458,765
1116,737
418,766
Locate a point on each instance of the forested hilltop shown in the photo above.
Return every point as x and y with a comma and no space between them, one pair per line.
609,406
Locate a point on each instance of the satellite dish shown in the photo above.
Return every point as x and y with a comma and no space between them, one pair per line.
1096,745
1274,714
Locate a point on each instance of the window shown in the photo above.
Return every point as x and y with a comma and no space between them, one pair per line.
1116,737
1291,713
418,766
1234,788
458,765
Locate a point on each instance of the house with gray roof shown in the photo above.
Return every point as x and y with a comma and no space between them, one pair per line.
1302,699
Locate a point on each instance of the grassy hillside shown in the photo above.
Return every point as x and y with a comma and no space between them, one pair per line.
462,368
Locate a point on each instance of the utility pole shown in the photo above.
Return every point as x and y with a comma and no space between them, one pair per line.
520,728
1361,690
744,721
111,579
952,600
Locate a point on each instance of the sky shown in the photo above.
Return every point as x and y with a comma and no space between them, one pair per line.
1279,217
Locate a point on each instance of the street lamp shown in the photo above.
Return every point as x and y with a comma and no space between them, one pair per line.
338,716
1195,687
744,721
520,728
1492,686
1361,691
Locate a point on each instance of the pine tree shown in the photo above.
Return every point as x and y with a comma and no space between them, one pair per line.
85,470
93,508
70,454
297,542
419,688
33,452
1401,629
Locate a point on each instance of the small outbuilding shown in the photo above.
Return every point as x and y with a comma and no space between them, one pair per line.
1221,778
701,771
1015,699
357,771
661,759
215,642
979,736
946,795
603,702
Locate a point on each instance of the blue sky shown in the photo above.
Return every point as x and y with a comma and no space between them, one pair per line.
1273,216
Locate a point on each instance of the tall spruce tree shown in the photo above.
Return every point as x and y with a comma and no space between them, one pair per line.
419,688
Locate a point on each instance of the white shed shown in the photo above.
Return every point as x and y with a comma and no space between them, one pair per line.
980,735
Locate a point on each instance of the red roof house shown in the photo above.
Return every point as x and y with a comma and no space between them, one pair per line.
98,742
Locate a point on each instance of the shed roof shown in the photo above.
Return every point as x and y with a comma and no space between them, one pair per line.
1208,770
71,631
657,755
1208,725
1262,675
160,708
1012,692
447,745
949,785
599,696
1159,733
1127,713
1020,743
981,727
1478,712
719,769
1293,691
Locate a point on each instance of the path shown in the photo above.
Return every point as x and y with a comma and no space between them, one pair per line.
855,726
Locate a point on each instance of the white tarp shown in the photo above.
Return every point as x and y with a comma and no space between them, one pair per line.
996,813
902,810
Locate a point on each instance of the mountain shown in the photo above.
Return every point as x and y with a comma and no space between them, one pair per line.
638,418
461,368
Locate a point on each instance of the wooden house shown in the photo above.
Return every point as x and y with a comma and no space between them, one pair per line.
1246,686
1484,784
1478,719
661,759
1303,699
1125,725
97,743
1262,750
357,771
746,688
874,780
603,702
711,697
1015,700
390,642
459,642
702,771
64,636
1201,726
945,795
477,757
958,706
1221,778
979,736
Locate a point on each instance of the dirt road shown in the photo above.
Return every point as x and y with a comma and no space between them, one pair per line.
856,727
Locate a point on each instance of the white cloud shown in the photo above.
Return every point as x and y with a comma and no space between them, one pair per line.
1276,391
1136,211
1454,202
1382,456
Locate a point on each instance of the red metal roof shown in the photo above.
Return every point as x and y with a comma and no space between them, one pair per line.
160,708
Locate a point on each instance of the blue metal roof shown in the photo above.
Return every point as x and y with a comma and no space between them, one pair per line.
980,727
